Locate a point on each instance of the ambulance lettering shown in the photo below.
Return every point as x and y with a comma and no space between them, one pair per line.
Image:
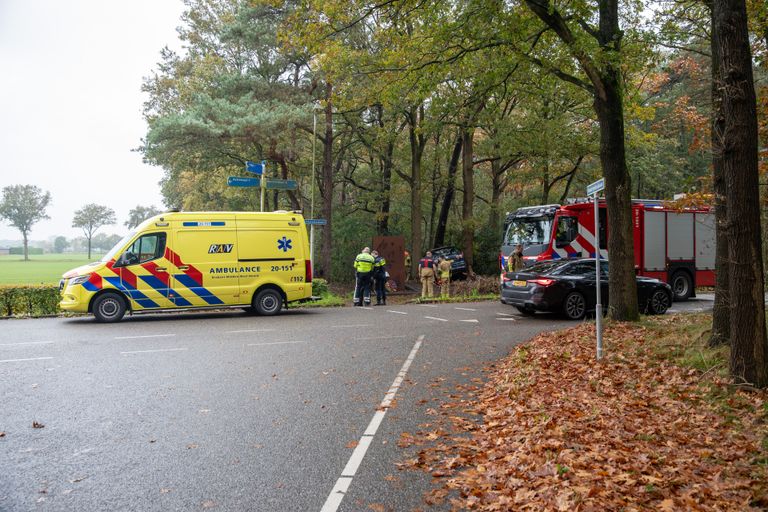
220,248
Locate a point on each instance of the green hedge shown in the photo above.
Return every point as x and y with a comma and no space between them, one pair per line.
29,300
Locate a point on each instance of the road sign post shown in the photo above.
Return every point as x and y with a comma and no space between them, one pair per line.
595,188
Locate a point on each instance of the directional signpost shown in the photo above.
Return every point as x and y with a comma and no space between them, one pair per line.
237,181
594,189
255,168
262,182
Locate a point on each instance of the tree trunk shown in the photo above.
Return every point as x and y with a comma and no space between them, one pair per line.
748,337
26,246
610,113
327,187
494,220
89,248
721,328
468,197
382,223
445,208
417,148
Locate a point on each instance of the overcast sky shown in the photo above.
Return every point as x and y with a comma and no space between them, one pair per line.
71,102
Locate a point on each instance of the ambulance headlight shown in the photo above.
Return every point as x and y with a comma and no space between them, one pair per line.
79,279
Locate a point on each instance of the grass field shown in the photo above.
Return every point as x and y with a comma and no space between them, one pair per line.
40,269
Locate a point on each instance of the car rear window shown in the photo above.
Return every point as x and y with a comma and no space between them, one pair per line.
548,267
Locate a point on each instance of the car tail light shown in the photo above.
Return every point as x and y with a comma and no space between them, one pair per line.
542,281
505,278
307,271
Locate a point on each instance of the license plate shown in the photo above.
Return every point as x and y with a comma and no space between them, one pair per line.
519,283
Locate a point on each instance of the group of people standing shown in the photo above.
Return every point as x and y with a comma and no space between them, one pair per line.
430,271
371,272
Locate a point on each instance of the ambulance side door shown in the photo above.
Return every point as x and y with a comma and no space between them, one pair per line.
206,271
143,272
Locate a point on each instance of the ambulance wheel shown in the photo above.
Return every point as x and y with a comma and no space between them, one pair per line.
109,307
682,286
268,302
574,306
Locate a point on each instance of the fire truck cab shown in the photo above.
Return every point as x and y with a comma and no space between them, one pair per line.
674,246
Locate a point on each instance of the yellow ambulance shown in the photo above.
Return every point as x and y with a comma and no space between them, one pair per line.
188,260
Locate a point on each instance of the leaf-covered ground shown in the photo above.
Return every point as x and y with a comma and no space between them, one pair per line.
559,431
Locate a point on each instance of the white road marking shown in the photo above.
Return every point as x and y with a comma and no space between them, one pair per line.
435,318
466,309
504,314
381,337
342,484
275,343
28,359
427,305
507,319
473,320
153,351
249,330
26,343
673,310
147,336
398,312
354,325
366,307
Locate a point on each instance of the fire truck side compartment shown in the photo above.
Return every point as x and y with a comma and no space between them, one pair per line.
654,246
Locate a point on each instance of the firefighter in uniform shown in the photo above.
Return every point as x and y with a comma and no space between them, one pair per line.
363,274
427,275
407,266
379,278
515,260
444,271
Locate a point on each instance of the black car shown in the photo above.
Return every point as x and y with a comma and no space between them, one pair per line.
569,287
458,265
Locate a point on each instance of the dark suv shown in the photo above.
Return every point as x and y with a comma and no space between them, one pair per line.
458,265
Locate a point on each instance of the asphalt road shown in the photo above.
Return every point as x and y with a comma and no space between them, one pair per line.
226,411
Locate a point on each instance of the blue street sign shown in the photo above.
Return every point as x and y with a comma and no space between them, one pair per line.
316,222
254,167
594,188
282,184
237,181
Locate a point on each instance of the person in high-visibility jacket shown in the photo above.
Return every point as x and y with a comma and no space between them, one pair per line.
379,278
444,271
363,274
427,275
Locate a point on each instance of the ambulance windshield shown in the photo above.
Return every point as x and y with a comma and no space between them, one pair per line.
528,231
119,245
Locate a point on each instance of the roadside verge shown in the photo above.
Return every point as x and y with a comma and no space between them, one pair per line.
654,425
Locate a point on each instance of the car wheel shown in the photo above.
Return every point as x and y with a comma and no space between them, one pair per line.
575,306
526,311
682,286
268,302
108,307
659,303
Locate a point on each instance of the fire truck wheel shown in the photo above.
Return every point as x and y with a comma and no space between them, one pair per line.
659,303
682,286
267,302
108,307
526,311
574,306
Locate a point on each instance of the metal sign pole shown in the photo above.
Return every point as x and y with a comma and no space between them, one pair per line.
598,306
312,192
263,187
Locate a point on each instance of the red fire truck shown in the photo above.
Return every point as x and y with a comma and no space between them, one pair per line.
677,247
